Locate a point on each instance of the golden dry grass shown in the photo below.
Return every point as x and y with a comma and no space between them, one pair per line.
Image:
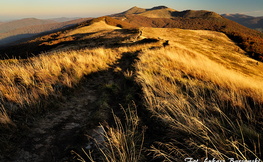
208,104
93,28
215,45
203,69
25,83
161,13
4,118
124,142
209,108
202,89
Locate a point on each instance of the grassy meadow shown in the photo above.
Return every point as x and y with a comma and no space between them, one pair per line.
25,82
204,97
208,103
202,94
206,109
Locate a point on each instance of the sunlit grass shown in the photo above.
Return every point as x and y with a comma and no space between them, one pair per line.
206,106
26,82
204,92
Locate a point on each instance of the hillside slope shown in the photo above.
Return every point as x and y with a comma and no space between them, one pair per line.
166,12
48,41
63,19
250,40
23,23
133,10
26,32
203,94
196,93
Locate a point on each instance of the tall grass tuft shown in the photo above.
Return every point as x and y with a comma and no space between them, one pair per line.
123,142
4,118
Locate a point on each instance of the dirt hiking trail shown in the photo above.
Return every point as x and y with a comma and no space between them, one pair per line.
52,138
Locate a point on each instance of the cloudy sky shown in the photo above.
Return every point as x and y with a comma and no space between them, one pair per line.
16,9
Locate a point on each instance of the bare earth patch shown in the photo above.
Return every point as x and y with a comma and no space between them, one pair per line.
55,135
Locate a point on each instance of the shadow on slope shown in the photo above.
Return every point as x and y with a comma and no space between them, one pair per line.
5,41
76,41
40,43
61,129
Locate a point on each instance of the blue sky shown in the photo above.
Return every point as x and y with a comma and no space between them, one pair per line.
16,9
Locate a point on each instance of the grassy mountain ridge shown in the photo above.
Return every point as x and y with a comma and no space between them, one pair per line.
250,40
196,14
165,12
197,96
156,13
49,41
133,10
138,11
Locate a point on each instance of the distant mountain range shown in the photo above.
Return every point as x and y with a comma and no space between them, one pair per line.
4,27
25,28
63,19
248,21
